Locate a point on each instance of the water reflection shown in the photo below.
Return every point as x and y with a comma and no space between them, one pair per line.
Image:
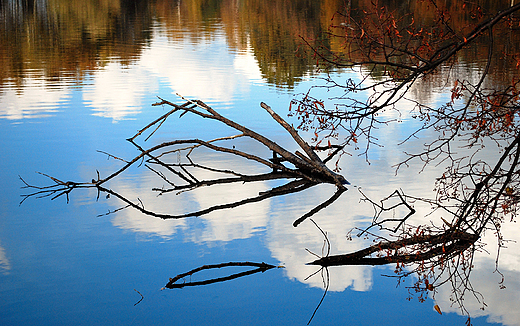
37,100
117,90
501,304
5,265
122,53
224,225
289,244
63,42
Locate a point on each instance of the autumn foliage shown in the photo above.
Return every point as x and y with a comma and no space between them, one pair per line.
395,49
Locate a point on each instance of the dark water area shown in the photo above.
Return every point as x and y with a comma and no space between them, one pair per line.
77,78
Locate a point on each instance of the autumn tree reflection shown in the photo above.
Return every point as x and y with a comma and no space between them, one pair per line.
56,39
61,39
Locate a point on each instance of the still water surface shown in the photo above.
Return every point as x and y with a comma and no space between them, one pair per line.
81,78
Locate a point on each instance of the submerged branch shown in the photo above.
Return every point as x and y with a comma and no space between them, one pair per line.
260,267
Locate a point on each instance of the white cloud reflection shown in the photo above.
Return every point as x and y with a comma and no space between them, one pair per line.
35,99
228,225
206,70
289,244
117,92
5,265
221,225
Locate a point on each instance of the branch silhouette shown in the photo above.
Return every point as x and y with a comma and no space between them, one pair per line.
300,170
393,51
259,267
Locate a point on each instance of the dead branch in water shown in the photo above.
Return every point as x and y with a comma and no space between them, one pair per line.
414,249
303,169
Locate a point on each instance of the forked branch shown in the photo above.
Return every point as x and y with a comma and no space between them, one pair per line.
173,162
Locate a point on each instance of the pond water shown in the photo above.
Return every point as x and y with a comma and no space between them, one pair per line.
81,77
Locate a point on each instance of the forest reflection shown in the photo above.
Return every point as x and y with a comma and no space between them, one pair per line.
63,40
